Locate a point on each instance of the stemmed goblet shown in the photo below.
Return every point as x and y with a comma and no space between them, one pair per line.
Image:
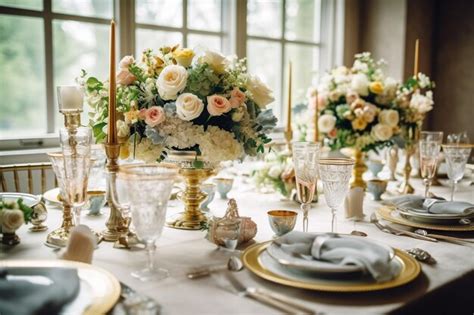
430,145
335,174
305,160
76,150
456,158
147,188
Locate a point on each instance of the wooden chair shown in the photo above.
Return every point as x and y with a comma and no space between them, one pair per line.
13,179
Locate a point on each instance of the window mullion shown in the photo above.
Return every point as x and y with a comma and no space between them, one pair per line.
283,55
49,66
185,23
124,12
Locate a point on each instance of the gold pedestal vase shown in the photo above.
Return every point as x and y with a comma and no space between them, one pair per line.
358,170
60,236
194,173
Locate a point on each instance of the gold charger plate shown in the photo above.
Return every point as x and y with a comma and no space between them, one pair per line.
410,270
390,214
104,286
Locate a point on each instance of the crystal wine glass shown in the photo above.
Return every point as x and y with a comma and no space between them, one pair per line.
76,150
335,174
456,159
148,188
305,160
430,145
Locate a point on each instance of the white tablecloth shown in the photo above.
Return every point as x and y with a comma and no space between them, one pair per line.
180,250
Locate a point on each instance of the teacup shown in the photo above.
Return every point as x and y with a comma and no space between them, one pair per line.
375,167
282,221
224,185
210,190
96,200
377,187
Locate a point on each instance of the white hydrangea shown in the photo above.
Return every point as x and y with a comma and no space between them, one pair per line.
219,145
422,103
147,152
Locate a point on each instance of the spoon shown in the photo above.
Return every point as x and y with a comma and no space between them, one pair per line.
358,233
234,264
421,255
443,237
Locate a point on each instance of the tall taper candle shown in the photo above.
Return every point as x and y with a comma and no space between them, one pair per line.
112,124
316,117
288,122
417,51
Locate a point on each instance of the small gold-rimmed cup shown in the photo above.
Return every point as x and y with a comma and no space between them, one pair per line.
282,221
224,185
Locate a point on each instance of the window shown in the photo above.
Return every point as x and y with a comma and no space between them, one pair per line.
279,32
45,43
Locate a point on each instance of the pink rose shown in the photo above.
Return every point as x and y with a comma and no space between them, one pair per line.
351,96
142,114
333,133
237,97
322,101
126,62
124,77
218,105
154,116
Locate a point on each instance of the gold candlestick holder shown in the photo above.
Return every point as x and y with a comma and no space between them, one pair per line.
406,187
117,226
358,170
60,236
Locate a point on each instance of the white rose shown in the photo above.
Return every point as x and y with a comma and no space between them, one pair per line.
261,93
126,62
122,129
275,171
360,84
326,123
171,81
382,132
189,106
389,117
215,60
11,220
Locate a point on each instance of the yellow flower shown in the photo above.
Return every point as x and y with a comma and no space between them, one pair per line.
131,117
359,124
376,87
184,56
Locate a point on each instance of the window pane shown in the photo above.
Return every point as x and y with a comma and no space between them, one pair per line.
155,39
204,41
264,17
302,20
24,4
96,8
77,46
305,61
161,12
204,14
264,60
22,76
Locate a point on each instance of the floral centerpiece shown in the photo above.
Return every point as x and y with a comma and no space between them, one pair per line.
357,106
179,100
13,214
277,173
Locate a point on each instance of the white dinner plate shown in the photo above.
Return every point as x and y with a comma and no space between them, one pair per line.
28,199
52,196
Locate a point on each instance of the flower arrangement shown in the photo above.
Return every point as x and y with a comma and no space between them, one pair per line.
414,100
178,100
13,214
277,173
362,108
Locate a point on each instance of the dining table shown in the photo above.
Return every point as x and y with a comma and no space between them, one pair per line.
445,287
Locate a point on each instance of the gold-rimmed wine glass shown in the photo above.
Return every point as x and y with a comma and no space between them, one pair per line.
429,145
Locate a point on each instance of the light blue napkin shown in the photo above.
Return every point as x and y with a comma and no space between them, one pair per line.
342,250
433,205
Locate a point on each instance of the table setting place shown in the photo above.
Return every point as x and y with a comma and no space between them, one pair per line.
179,223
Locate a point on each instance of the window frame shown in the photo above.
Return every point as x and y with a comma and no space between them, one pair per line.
233,35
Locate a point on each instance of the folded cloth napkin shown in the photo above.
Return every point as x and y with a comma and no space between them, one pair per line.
25,290
342,250
433,205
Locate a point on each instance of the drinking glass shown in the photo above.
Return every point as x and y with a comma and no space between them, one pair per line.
335,174
456,158
76,149
305,160
148,188
430,145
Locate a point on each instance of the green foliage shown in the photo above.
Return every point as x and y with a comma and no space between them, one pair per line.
201,81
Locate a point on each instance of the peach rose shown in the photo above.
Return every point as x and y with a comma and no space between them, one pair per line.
237,97
154,115
142,114
126,62
124,77
218,105
333,133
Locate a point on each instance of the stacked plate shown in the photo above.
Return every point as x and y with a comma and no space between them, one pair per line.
436,218
269,261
